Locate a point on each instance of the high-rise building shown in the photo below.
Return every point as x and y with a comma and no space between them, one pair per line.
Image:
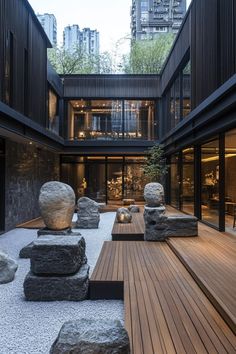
71,37
86,39
149,18
49,24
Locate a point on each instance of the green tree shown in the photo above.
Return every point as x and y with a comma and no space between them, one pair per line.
155,167
79,62
148,56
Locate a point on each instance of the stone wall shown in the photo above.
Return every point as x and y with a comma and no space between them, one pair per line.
27,168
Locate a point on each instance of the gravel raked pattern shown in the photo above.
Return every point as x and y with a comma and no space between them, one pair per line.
31,327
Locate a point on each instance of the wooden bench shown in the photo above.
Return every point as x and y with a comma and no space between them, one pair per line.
133,231
165,310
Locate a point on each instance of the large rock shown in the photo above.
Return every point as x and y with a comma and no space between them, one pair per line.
91,336
156,223
123,216
88,214
65,232
8,267
182,225
71,287
57,204
57,255
154,194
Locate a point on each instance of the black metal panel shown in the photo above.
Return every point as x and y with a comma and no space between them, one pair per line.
177,54
28,59
111,86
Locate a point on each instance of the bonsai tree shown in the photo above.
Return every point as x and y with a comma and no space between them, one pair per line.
155,167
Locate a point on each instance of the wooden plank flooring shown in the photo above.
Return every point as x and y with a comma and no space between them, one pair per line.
129,232
165,310
211,260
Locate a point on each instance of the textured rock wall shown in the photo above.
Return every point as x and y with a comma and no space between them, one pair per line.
27,169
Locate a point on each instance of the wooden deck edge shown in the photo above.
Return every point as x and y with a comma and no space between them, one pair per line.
216,302
106,290
127,237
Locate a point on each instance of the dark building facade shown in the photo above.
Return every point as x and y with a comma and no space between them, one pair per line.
93,131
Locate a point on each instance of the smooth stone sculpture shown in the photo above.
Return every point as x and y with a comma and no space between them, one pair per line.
156,223
8,267
88,214
57,204
134,208
123,216
57,288
93,336
154,194
57,255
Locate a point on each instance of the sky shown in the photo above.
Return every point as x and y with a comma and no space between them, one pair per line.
110,17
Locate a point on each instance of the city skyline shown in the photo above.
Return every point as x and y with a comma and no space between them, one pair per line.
113,21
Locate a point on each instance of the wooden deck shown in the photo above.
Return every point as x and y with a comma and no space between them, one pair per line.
211,260
165,310
129,232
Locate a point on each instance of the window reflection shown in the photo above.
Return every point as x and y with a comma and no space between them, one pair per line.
139,120
53,116
230,180
210,182
188,180
175,181
111,120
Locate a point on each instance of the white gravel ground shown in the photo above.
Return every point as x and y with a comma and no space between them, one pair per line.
31,327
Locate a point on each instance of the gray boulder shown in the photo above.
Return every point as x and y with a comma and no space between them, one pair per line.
8,267
134,208
88,214
57,204
156,223
154,194
57,255
182,225
57,288
91,336
123,216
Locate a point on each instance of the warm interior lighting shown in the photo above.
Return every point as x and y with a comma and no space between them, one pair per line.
212,158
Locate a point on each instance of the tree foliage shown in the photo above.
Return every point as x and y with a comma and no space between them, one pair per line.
148,56
155,167
79,62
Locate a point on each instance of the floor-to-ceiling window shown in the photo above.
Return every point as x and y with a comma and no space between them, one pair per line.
134,179
139,122
230,180
104,178
210,168
111,120
175,181
187,196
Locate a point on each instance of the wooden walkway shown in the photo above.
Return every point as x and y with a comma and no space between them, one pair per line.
211,260
129,232
165,310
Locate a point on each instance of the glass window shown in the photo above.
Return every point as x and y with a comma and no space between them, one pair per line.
139,120
106,120
53,117
186,90
96,119
175,181
230,179
210,182
187,202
